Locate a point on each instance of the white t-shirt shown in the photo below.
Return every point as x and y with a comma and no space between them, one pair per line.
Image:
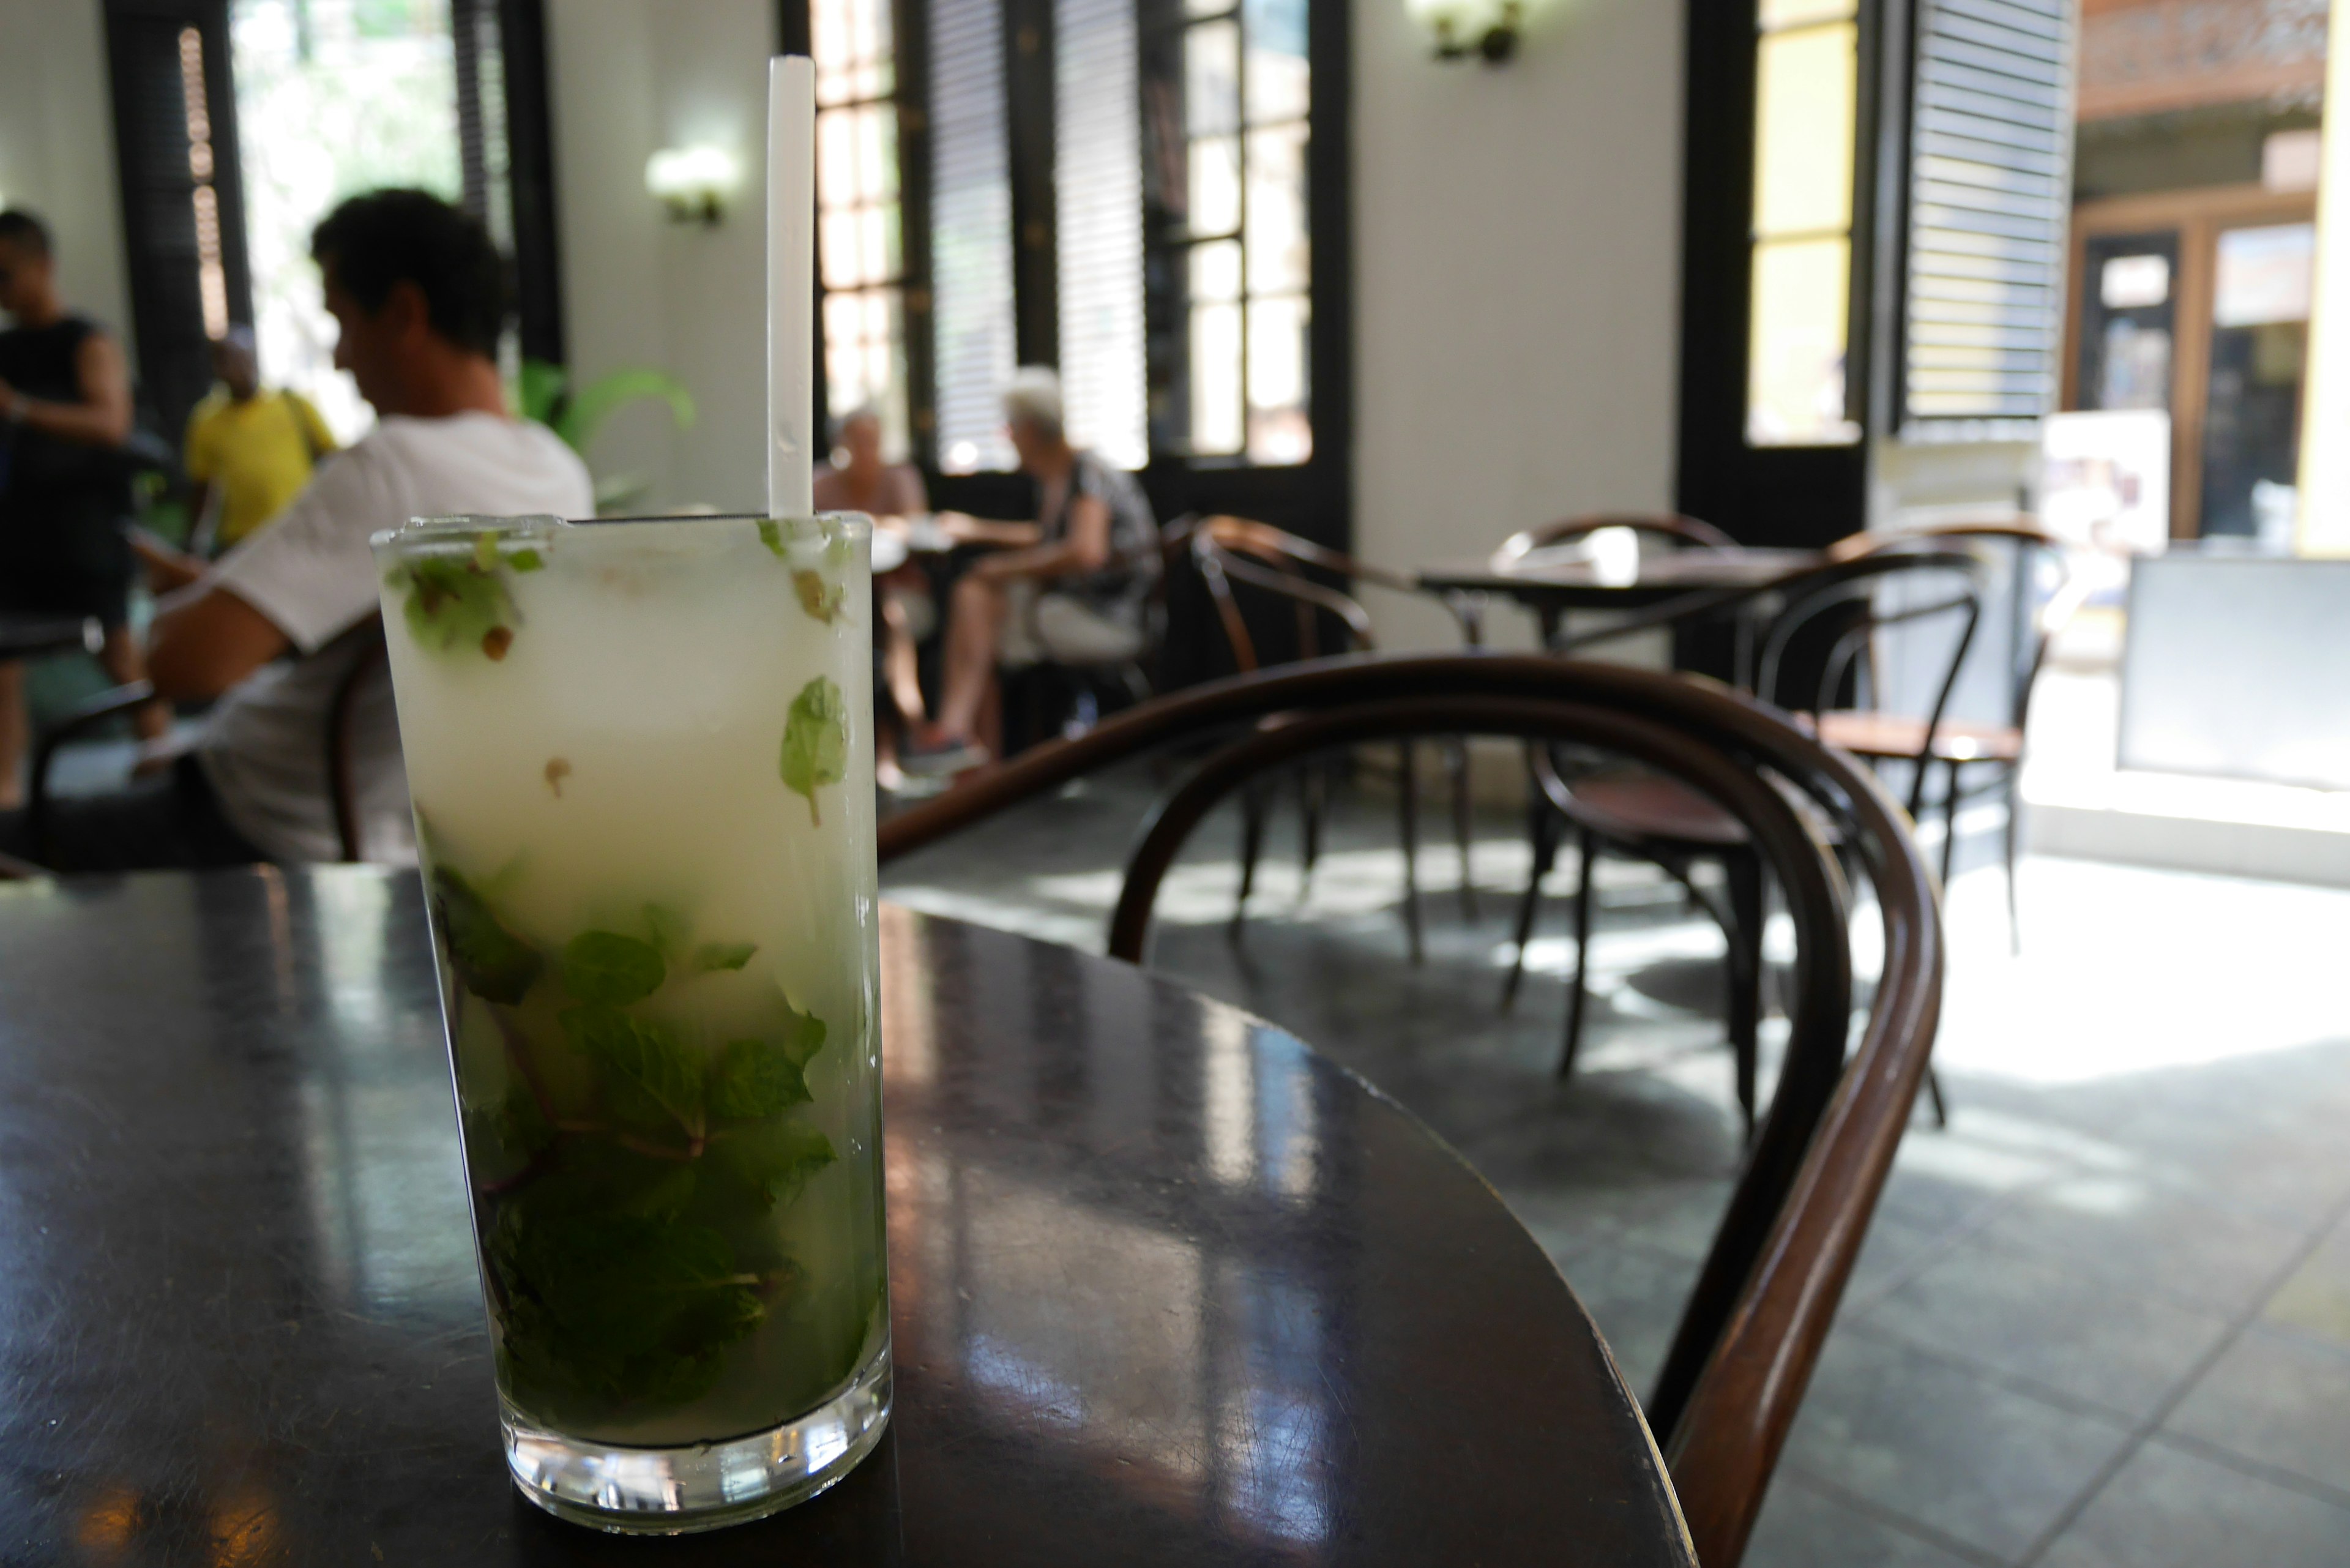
311,574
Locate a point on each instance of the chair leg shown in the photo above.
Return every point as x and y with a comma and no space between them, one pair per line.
1312,792
1742,869
1408,809
2007,850
1253,808
1949,826
1934,1093
1586,848
1542,830
1465,828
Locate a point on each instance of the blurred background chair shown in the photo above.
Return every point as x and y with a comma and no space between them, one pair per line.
1824,623
1234,550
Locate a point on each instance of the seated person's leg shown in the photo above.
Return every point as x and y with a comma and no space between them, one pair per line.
1074,632
974,633
171,821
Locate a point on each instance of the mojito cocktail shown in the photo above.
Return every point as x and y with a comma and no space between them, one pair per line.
640,756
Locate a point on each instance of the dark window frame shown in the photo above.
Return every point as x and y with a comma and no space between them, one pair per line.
174,369
1315,497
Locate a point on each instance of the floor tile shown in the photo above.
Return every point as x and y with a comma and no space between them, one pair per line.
1802,1528
2135,1234
2279,1398
2316,1301
2035,1318
1919,1438
2170,1508
1635,1293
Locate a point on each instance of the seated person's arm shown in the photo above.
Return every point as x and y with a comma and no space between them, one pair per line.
168,569
102,416
1085,548
205,640
964,529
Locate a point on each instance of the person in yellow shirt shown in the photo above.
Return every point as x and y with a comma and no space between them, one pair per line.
257,449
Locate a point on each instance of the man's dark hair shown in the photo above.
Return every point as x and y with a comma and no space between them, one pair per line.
388,237
20,227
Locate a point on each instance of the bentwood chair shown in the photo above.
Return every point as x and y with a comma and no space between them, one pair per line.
2045,597
1752,1329
1828,618
1233,550
363,645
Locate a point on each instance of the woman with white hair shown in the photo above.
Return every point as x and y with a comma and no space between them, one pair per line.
1076,595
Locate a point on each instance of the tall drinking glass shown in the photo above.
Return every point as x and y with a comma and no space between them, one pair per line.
641,759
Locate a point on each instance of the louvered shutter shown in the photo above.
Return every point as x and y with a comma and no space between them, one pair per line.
970,234
1990,175
1097,179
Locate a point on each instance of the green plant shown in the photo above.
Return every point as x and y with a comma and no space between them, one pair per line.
577,413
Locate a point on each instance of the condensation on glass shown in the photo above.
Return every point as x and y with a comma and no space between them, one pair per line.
1227,97
859,234
1806,90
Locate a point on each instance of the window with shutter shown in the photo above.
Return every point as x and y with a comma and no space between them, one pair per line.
1098,180
1990,163
860,229
972,323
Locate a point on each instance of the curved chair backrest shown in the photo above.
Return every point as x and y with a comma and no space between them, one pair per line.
2034,546
1684,533
342,781
1846,595
1234,550
1768,1292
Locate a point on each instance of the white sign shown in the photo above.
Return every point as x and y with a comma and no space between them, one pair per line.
2264,275
2132,282
2104,479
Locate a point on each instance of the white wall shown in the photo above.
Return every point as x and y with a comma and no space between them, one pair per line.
630,77
1517,277
56,145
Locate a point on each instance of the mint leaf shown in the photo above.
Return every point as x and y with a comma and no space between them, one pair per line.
666,928
608,968
490,961
774,1159
753,1079
457,604
771,534
520,1125
485,552
651,1080
818,597
815,742
712,956
526,560
802,1034
619,1306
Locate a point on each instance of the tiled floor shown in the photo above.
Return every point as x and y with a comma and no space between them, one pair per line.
2103,1319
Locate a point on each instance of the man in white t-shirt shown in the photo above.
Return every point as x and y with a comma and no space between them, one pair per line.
274,629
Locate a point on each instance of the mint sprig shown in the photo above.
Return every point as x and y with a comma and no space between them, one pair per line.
815,742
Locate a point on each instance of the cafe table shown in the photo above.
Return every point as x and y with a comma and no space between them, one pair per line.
1551,583
1167,1286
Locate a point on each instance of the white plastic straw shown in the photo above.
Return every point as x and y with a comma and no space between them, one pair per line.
791,285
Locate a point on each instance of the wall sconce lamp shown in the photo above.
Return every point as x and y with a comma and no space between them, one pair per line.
1489,29
692,182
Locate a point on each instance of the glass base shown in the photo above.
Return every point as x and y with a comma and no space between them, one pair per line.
675,1491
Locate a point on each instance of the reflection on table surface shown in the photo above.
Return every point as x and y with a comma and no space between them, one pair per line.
1167,1286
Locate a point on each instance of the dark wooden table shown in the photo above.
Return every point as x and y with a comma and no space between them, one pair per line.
1169,1287
35,636
1551,587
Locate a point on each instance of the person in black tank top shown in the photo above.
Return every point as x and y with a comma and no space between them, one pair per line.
65,412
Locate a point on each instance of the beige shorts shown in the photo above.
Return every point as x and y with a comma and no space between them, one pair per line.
1046,627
